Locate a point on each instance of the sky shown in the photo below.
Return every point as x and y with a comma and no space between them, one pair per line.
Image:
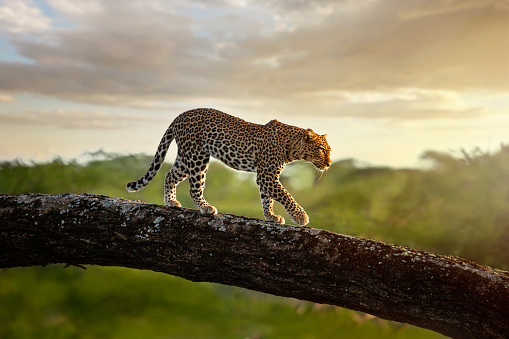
385,79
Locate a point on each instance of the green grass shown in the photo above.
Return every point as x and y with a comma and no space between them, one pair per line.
100,302
457,207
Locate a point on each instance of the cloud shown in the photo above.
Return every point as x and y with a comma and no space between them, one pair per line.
22,16
6,98
275,52
112,55
375,48
75,119
410,104
434,8
76,8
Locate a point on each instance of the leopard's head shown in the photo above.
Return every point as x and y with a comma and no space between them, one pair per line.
315,149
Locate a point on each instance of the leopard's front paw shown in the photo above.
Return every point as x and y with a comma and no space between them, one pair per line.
300,217
275,218
208,210
173,203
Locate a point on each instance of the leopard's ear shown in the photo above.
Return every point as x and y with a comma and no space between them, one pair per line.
310,135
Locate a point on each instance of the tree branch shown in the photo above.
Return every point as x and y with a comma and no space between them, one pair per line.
446,294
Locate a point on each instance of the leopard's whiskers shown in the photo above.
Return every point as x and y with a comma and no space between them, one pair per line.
320,177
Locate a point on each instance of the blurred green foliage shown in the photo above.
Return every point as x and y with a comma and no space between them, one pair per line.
458,206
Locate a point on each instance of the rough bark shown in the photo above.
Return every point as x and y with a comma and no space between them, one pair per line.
449,295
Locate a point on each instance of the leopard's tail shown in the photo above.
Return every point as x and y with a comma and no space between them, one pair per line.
156,163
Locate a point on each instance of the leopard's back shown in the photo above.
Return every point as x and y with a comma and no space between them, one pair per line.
232,140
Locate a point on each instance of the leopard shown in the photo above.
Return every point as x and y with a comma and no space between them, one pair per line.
203,133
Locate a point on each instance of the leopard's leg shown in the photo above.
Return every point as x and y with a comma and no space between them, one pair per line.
269,182
197,168
176,175
268,211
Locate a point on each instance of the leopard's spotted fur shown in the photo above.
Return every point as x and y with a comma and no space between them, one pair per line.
264,149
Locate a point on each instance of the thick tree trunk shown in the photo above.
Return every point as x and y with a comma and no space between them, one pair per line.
449,295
